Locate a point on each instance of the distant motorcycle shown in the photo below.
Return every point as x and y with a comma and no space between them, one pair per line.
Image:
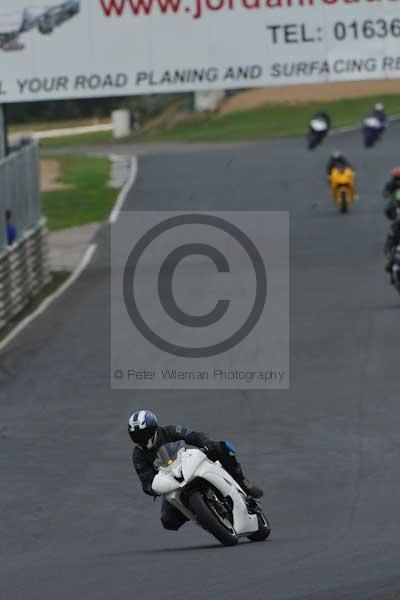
342,182
396,269
207,495
373,130
318,129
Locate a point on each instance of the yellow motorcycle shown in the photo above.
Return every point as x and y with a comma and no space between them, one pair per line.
342,182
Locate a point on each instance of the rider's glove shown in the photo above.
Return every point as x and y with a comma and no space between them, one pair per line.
213,448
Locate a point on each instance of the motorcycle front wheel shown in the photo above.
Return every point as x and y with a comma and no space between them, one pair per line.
344,203
211,514
264,529
313,140
369,139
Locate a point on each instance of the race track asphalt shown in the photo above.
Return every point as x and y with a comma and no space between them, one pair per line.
74,522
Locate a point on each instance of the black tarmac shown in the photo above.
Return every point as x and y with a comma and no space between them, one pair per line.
74,522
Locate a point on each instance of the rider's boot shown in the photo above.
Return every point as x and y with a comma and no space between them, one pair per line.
251,490
227,456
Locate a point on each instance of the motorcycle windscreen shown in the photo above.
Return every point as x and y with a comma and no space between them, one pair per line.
168,453
318,125
372,123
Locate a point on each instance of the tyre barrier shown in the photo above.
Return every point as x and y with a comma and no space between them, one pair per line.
24,272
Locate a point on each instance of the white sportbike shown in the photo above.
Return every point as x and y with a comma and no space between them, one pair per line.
205,493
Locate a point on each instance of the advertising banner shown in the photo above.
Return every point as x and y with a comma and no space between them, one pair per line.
92,48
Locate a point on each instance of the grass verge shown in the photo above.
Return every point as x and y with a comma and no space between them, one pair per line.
89,198
270,121
87,139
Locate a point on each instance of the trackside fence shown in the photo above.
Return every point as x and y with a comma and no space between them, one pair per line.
24,265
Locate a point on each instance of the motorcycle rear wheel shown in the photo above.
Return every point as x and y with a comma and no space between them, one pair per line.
209,518
369,140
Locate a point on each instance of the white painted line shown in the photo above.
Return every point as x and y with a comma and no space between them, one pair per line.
87,257
65,132
125,190
54,133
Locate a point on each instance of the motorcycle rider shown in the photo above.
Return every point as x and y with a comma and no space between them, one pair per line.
337,161
324,116
148,436
379,113
390,191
